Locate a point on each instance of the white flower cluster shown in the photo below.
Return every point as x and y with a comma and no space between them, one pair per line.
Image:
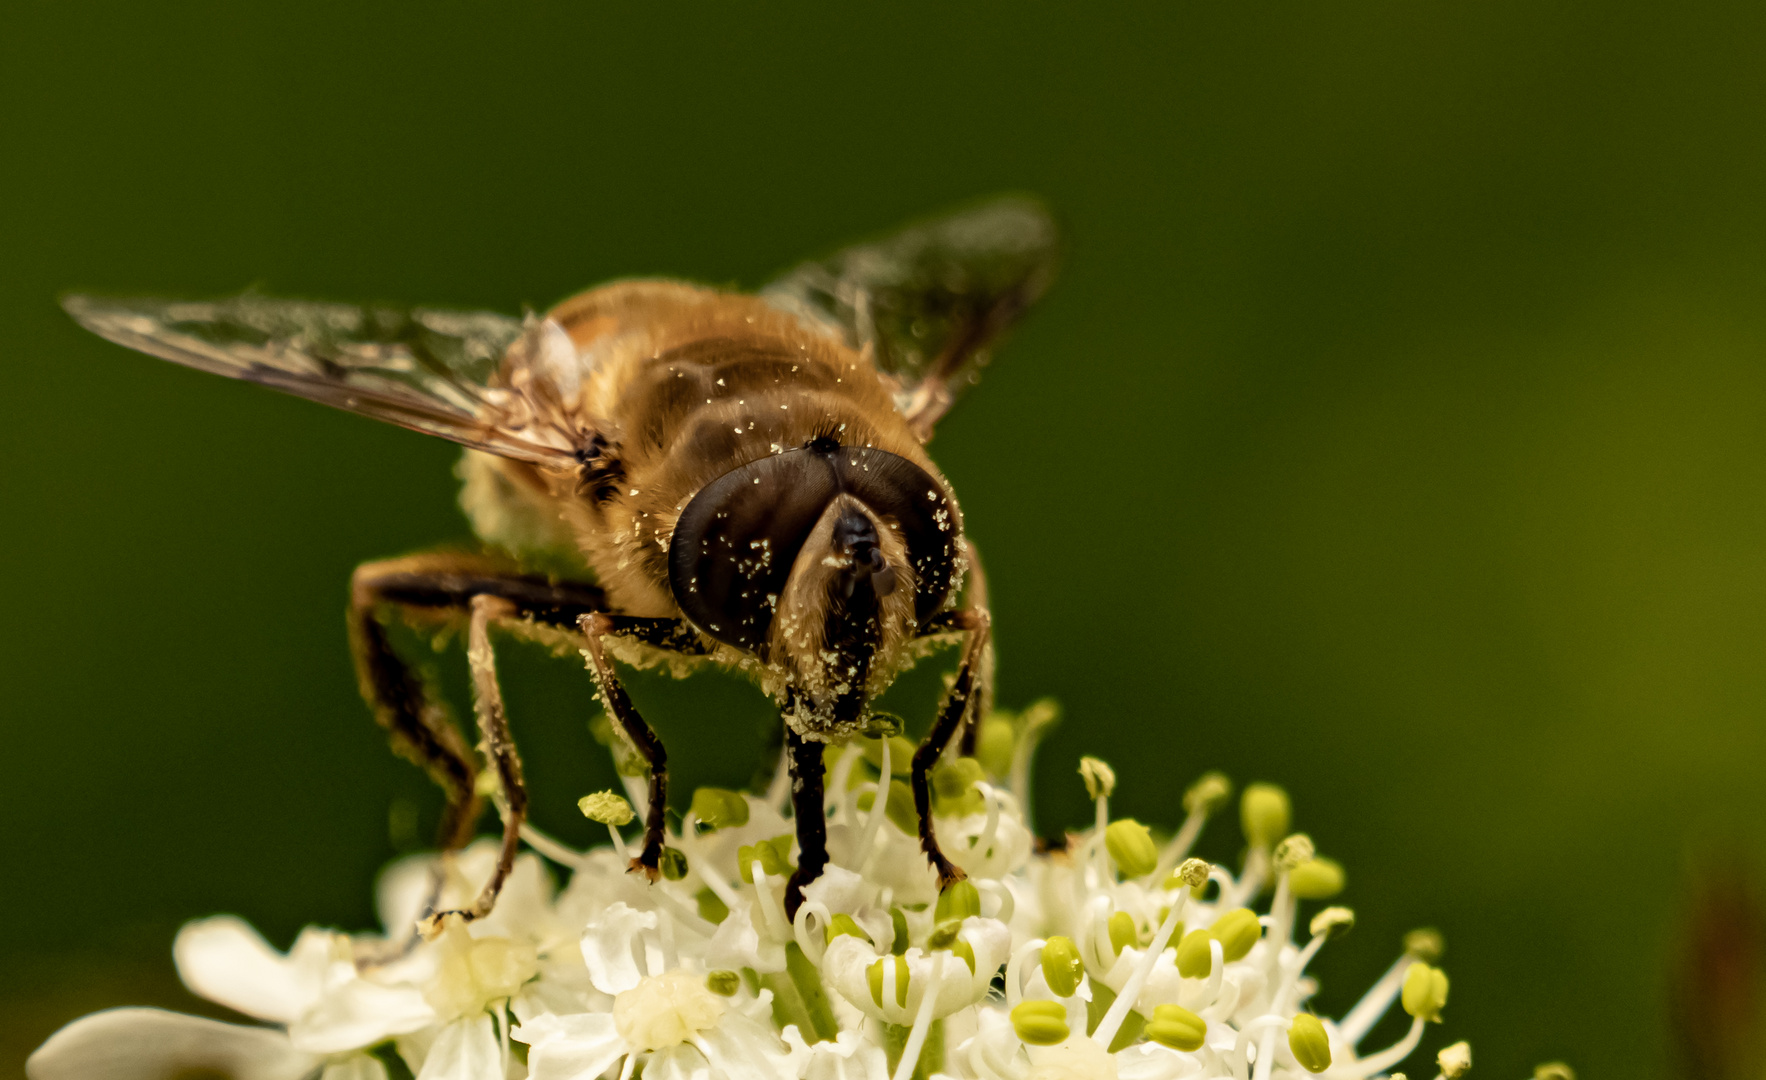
1116,957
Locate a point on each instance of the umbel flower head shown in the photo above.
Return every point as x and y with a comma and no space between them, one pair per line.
1116,957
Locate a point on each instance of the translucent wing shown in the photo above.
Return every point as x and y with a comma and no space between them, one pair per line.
930,299
446,373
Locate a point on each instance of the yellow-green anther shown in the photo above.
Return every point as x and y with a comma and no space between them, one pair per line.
874,976
1041,1023
1236,931
1100,779
844,926
1293,851
959,900
953,788
1456,1060
1131,847
1122,932
1195,960
1425,944
1310,1044
718,808
1207,793
1194,872
673,864
881,725
898,923
1333,922
994,746
1264,812
901,755
1061,966
711,907
962,948
1425,991
607,808
1316,879
723,983
772,855
899,807
1553,1070
1177,1027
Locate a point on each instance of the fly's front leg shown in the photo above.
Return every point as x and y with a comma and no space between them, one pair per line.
805,757
594,627
957,702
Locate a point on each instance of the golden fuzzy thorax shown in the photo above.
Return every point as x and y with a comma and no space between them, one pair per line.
686,384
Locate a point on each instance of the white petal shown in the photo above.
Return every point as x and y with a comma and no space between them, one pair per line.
152,1044
741,1049
355,1067
607,947
358,1014
580,1046
225,960
840,890
682,1062
738,944
466,1049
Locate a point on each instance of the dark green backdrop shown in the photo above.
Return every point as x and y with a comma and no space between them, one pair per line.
1396,432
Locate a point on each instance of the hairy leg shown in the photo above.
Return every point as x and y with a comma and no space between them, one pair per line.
951,713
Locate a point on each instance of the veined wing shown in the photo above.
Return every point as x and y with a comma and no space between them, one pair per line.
447,373
931,299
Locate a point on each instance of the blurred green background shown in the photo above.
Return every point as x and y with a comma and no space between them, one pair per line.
1396,432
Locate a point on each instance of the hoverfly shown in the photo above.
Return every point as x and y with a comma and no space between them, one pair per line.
744,475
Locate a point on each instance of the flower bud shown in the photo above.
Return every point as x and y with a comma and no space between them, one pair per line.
717,808
673,864
1040,1023
1131,847
1293,851
1316,879
1122,932
1333,922
1426,945
845,926
995,745
1177,1027
607,808
1425,991
1264,812
1195,960
1456,1060
1206,794
1100,779
1061,966
723,983
1236,931
959,900
1310,1044
874,976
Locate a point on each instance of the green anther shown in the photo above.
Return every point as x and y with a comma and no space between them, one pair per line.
673,864
1061,966
773,856
1041,1023
880,725
1131,848
874,976
1456,1060
844,926
1100,779
1122,932
1264,812
1425,991
962,948
723,983
711,907
717,808
899,809
1553,1070
1206,794
1293,851
993,748
943,934
959,900
1177,1027
607,808
1194,872
1236,931
1310,1044
898,922
1316,879
1195,960
953,788
901,755
1333,922
1426,944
